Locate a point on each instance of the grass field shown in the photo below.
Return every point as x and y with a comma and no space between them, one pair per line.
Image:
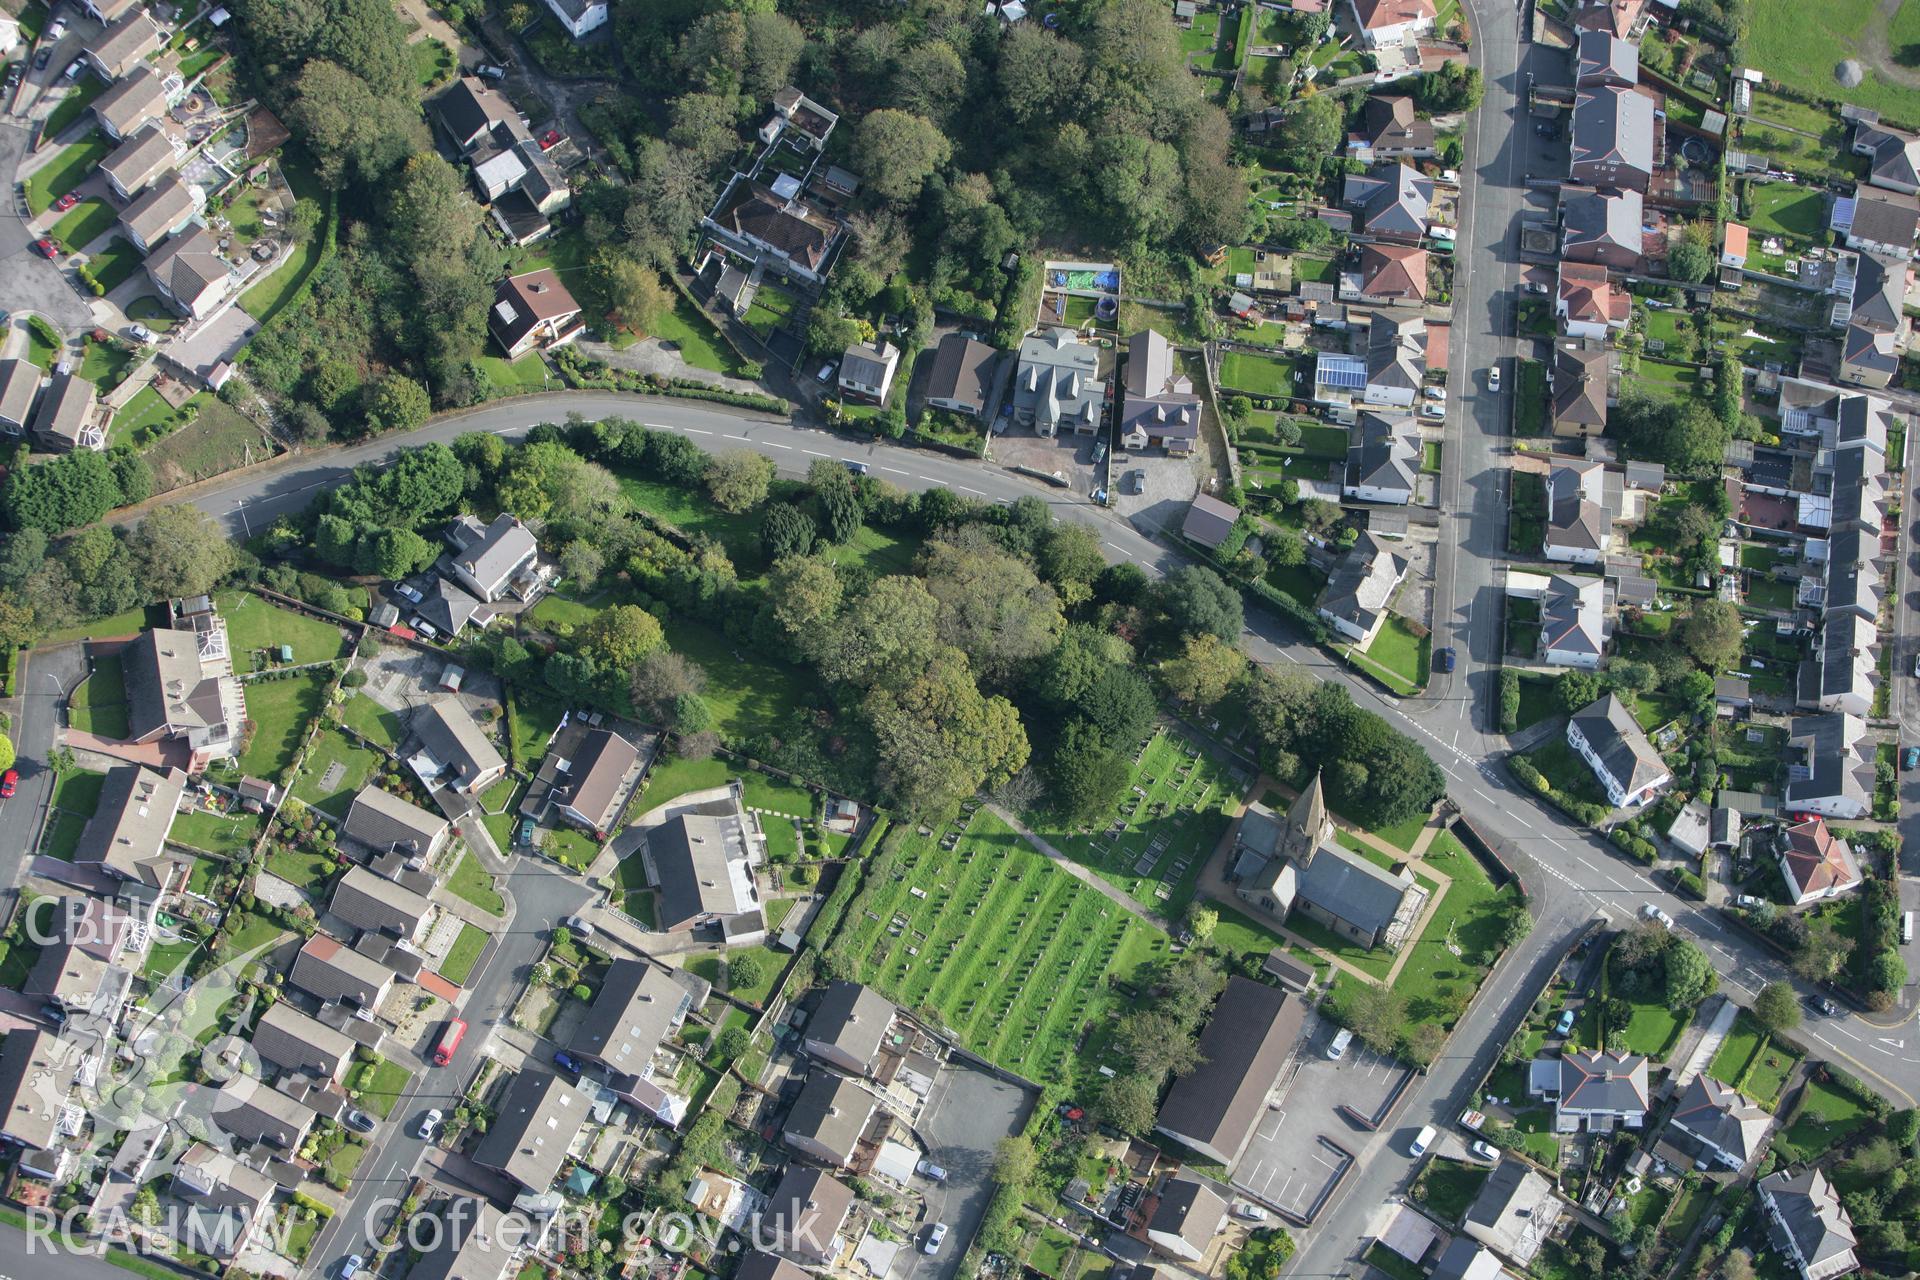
371,721
219,439
64,172
356,764
1256,374
1166,828
1827,1117
471,881
690,511
1012,953
458,964
99,705
747,693
81,225
535,717
256,624
1803,54
281,710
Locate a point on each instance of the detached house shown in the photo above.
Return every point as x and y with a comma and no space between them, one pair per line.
1807,1222
131,103
962,376
532,310
383,822
867,369
190,273
68,416
1057,385
593,789
1383,460
1515,1213
181,686
294,1041
1209,521
126,836
1573,622
1390,129
1390,274
1589,305
1392,22
1629,770
1613,138
1602,227
1579,529
703,866
1391,202
1160,408
491,560
1186,1218
579,16
1360,589
1578,381
452,752
775,226
1593,1088
1815,863
1893,156
1728,1127
509,171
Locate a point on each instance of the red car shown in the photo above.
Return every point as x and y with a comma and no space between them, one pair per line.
46,247
67,201
8,782
550,139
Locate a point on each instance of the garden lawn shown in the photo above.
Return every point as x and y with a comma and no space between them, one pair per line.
530,727
1257,375
748,694
1827,1118
215,832
1398,656
1566,771
1448,1187
458,964
671,778
690,511
81,225
304,869
218,439
106,364
1736,1051
471,881
357,764
1157,855
1787,209
145,411
432,62
63,174
1010,952
699,345
99,705
270,296
254,623
380,1084
1653,1028
280,710
528,373
371,721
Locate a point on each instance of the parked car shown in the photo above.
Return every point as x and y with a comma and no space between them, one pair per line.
47,247
1826,1005
13,77
1421,1141
1916,666
550,139
66,202
1444,658
428,1123
488,71
1910,758
1473,1120
41,59
1249,1211
1564,1027
358,1119
55,29
931,1171
566,1061
936,1236
140,333
53,1013
1137,480
1651,912
1484,1150
406,592
1493,378
1433,412
1747,900
9,783
74,69
1434,393
351,1267
858,468
1099,451
580,926
426,628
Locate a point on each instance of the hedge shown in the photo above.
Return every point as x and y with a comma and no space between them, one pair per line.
1586,814
579,371
1689,883
1635,847
1509,700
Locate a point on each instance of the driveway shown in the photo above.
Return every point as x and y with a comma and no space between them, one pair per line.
968,1113
45,680
28,282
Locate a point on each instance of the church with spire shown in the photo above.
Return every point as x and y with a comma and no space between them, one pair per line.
1284,864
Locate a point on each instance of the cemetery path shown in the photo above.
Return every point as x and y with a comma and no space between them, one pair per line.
1112,893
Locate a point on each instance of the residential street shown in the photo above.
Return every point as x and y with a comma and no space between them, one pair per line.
45,680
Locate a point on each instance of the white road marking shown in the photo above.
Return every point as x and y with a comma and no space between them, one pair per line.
1555,843
1843,1031
1822,1039
1621,887
1583,862
774,444
975,492
813,453
895,470
1898,1044
734,437
1522,821
692,431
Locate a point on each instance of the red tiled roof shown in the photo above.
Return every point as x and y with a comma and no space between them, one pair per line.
1816,858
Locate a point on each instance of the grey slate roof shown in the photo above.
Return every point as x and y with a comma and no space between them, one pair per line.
1580,386
1835,763
1613,136
831,1111
1352,887
637,1007
1722,1117
1604,58
962,372
1160,400
1879,291
1610,1083
807,1208
454,741
63,421
367,901
159,209
472,1246
295,1041
1209,520
532,1129
1248,1039
1384,454
1362,582
1189,1209
593,783
36,1073
703,868
447,605
1058,380
853,1019
382,821
248,1110
1391,124
1573,518
1814,1219
1597,220
1615,737
1396,351
492,558
128,831
189,264
330,971
869,363
1893,155
123,44
1884,217
19,384
132,101
1572,614
1391,199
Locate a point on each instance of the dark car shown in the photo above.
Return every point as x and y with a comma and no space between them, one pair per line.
13,77
357,1119
1443,659
9,783
46,247
565,1061
41,59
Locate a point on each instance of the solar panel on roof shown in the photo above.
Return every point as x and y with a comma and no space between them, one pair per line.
1343,372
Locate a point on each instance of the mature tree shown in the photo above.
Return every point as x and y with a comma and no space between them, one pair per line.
939,740
841,507
1086,776
396,403
889,633
774,45
1688,262
1128,1101
1140,184
703,125
1157,1043
1194,599
430,214
1204,670
621,636
743,970
1576,689
546,480
1309,129
897,152
1712,633
1516,922
1777,1007
350,130
1121,704
992,608
930,80
804,595
393,553
1377,1014
178,550
1202,920
1039,73
75,489
1015,1162
21,555
738,480
636,297
1070,559
1689,974
581,562
1068,674
662,678
786,530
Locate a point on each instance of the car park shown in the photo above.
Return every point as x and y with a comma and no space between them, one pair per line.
936,1236
428,1123
1337,1047
1421,1141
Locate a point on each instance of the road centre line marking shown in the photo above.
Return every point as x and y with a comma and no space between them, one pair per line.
1583,862
692,431
774,444
962,488
895,470
815,453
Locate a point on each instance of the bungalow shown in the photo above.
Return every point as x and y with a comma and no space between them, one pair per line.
703,865
1613,138
829,1119
1815,863
962,376
297,1042
132,103
124,44
594,789
1389,274
1056,385
1608,738
1579,529
452,751
805,1213
848,1027
867,369
1807,1222
1209,521
1160,408
1601,227
68,416
1728,1127
1589,305
1573,622
190,273
1383,460
1248,1042
1188,1215
490,559
533,309
162,209
1392,22
1359,590
1578,381
19,387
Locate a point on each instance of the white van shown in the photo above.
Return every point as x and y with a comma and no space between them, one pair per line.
1337,1047
1906,928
